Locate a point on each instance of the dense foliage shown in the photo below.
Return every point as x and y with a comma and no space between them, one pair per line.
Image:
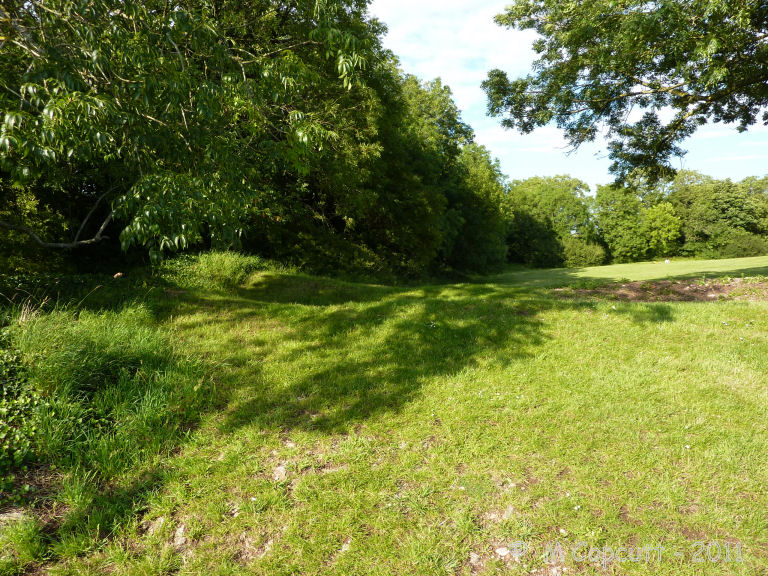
598,61
552,223
692,215
418,197
287,129
196,123
556,223
19,404
164,116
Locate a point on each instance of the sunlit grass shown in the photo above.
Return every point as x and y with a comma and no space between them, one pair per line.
659,270
376,430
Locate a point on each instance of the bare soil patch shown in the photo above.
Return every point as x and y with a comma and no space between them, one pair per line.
676,290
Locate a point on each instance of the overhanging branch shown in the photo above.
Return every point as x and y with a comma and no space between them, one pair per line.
98,237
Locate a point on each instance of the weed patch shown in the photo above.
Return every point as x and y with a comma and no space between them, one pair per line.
111,395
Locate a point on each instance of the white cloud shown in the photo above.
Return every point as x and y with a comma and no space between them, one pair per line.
717,131
455,40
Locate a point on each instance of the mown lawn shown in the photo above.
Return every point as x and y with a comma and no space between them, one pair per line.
658,270
364,429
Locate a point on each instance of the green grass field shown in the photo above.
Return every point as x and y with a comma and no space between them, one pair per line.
365,429
757,266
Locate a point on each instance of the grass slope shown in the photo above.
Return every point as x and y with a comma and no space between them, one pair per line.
421,430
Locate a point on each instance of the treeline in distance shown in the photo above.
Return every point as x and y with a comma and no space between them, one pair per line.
286,129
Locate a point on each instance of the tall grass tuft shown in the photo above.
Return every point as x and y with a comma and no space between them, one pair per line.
99,395
21,543
214,270
115,397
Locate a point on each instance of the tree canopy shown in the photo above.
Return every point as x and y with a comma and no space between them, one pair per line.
168,115
599,63
281,125
286,129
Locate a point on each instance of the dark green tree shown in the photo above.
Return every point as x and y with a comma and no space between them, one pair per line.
478,239
561,199
552,223
161,116
715,213
619,215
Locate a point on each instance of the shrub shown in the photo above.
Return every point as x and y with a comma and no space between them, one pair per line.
579,253
213,270
740,244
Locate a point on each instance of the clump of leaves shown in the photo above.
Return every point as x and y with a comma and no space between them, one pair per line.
19,414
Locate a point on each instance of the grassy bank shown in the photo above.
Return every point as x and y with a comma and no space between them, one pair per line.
377,430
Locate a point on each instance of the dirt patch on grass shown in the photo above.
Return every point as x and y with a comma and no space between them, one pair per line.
676,290
33,493
627,518
693,535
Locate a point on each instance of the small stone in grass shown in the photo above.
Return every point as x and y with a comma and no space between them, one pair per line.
179,540
279,474
12,516
155,525
502,552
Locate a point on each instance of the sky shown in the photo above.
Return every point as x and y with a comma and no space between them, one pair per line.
458,41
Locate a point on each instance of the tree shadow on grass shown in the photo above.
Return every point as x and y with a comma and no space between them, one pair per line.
647,312
109,508
290,352
339,354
